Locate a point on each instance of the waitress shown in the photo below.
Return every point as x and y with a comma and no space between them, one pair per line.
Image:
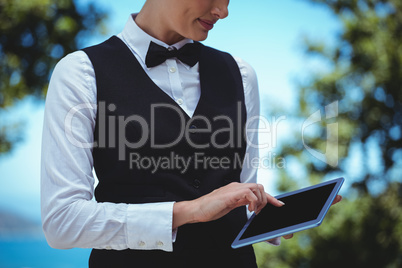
162,120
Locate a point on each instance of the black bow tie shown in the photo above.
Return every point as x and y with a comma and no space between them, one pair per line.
188,54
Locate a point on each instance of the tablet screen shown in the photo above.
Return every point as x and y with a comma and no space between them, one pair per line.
298,208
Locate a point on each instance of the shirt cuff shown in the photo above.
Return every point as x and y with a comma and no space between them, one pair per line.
149,226
174,235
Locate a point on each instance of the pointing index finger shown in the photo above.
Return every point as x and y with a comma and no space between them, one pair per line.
272,200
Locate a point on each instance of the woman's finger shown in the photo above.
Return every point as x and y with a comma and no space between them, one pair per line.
337,199
252,199
264,200
259,203
289,236
272,200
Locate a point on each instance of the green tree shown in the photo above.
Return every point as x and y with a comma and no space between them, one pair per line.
35,34
365,78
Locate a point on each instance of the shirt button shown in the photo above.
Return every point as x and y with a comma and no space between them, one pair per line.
141,244
172,69
108,247
159,244
180,101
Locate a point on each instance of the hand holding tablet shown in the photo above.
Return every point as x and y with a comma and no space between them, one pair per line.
303,209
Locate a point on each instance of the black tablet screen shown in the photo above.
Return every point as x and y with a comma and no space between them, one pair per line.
298,208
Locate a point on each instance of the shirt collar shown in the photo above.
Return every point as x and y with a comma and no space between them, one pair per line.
139,41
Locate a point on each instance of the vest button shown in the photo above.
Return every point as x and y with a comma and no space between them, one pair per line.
196,183
192,128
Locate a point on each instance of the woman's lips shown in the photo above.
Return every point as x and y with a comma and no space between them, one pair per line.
207,24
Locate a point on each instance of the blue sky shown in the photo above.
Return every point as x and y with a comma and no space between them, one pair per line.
267,34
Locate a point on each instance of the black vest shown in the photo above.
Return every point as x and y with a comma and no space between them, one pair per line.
149,150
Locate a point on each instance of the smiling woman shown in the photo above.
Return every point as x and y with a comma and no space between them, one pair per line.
146,216
143,215
265,33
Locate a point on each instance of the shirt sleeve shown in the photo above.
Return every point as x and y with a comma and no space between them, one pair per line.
70,215
252,103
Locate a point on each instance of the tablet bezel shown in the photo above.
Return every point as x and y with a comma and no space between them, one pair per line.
294,228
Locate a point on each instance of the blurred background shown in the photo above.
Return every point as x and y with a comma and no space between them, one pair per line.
308,54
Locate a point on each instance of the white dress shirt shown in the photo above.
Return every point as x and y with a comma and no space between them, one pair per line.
70,215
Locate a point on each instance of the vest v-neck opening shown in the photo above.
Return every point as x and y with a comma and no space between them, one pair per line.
160,91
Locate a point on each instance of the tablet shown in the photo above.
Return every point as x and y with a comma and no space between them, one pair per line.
303,209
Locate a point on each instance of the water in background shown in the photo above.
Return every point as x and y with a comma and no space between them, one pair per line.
36,253
23,245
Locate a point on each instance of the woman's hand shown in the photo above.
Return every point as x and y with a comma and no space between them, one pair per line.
221,201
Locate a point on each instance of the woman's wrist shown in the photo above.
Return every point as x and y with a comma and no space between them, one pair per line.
183,212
